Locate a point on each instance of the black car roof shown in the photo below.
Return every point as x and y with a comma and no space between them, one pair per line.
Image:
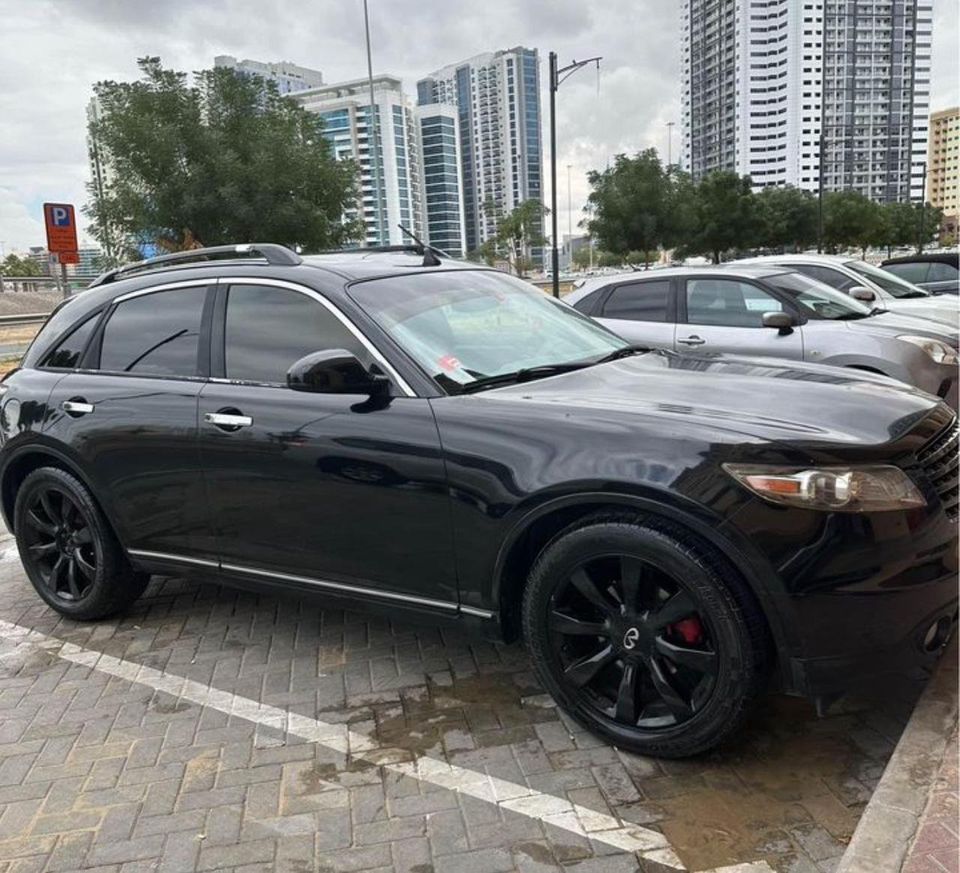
925,257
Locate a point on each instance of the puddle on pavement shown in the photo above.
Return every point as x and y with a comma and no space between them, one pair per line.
487,706
790,786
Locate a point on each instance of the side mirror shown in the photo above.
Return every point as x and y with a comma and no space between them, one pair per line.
864,295
782,321
335,371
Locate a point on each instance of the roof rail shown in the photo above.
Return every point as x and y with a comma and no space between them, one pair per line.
431,254
272,253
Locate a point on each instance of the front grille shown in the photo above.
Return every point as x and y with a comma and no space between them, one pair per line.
940,461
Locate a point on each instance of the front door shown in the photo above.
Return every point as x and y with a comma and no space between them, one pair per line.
131,415
329,488
726,315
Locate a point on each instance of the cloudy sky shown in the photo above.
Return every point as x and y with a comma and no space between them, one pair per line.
52,51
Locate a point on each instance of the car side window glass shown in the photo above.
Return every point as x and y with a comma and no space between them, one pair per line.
588,304
729,303
941,272
915,272
68,352
268,329
833,278
155,334
639,301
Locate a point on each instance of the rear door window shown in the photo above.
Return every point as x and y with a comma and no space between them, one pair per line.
640,301
155,334
915,272
67,353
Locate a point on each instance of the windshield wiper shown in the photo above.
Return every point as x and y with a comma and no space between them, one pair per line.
527,374
625,352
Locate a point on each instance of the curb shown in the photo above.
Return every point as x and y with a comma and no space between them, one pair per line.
892,817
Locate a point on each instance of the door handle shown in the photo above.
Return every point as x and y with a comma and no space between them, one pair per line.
227,420
692,340
76,408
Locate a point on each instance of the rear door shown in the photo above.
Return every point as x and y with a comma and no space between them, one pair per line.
130,413
726,315
642,312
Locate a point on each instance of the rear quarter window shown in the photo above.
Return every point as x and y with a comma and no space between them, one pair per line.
589,304
67,353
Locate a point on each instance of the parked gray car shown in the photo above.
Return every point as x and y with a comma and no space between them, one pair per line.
771,311
869,284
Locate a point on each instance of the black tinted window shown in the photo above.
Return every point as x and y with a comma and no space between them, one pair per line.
833,278
156,334
641,301
941,272
69,350
587,304
911,272
268,329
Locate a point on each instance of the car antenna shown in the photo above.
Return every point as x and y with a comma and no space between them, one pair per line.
430,258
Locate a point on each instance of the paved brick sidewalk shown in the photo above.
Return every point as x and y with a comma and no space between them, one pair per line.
936,848
102,772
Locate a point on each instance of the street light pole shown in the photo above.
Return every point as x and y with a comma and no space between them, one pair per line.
820,199
923,204
372,136
557,77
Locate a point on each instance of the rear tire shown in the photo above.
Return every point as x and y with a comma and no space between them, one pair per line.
644,635
68,549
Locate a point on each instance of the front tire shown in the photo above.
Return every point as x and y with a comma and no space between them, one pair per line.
643,635
69,551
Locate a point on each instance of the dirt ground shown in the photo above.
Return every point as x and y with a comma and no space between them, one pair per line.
28,302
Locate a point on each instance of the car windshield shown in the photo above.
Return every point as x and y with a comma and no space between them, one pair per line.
891,284
818,299
467,326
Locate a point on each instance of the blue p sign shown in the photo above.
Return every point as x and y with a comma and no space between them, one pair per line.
60,216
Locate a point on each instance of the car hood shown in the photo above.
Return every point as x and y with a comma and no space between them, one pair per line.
932,308
793,403
903,324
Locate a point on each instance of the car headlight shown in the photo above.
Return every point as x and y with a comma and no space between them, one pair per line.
939,351
835,489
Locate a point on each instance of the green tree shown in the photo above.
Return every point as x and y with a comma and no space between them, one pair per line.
582,257
521,230
786,217
725,215
224,160
14,265
630,205
852,220
609,259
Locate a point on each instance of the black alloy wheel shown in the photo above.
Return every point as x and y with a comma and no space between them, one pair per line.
630,640
644,634
68,549
59,539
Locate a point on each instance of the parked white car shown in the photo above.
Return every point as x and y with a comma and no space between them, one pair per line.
860,279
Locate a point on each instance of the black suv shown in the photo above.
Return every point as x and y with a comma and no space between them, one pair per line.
669,533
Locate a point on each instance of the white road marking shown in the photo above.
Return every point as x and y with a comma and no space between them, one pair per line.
557,812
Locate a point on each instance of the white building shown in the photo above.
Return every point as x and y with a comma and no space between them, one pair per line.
763,80
345,109
290,78
497,96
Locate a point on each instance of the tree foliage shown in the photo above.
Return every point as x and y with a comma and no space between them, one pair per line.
517,233
14,265
636,206
224,160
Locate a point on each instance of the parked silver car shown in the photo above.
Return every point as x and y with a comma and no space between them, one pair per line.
869,285
769,310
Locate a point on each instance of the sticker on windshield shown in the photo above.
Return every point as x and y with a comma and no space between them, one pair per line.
449,363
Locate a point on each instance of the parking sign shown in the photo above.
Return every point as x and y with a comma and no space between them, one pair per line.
61,223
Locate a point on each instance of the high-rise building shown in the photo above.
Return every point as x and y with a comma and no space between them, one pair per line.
764,80
442,177
943,166
497,96
345,110
290,78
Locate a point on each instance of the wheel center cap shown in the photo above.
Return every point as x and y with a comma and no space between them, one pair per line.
631,638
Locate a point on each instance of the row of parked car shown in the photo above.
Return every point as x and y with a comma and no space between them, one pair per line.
816,308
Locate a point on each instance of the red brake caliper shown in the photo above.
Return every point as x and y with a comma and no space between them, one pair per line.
689,629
